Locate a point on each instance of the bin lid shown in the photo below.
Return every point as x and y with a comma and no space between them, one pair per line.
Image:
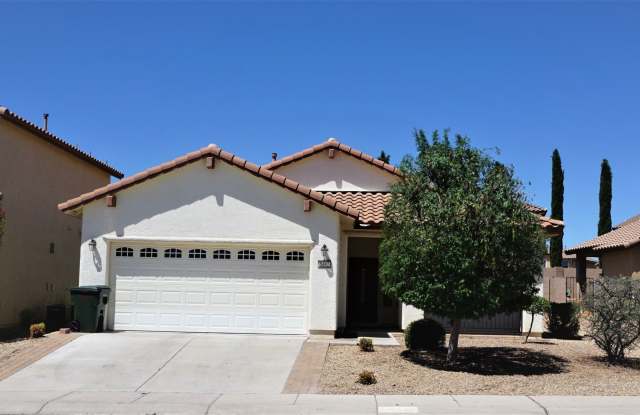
89,289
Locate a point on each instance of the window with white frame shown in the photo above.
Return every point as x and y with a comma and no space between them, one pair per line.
295,256
246,254
270,256
221,254
148,253
173,253
197,254
124,251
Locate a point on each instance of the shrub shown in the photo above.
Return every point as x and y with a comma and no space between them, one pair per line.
36,330
614,316
539,306
564,321
367,377
424,334
365,344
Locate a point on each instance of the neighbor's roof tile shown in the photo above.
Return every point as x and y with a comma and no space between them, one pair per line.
622,236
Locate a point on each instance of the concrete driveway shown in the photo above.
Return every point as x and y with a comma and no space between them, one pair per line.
148,362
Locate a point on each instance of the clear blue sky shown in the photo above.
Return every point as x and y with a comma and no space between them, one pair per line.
138,84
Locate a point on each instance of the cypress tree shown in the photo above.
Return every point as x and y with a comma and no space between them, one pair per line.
557,211
384,157
604,224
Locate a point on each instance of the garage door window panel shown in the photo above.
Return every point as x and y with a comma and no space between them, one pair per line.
246,254
173,253
124,251
148,253
197,254
295,256
270,256
221,254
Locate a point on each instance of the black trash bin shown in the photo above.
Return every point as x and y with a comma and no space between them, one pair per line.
90,307
58,316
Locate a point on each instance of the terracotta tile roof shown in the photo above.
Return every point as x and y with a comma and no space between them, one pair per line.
538,210
6,114
370,205
226,157
625,235
335,144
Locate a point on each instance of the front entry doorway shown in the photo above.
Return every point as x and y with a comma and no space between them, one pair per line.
367,306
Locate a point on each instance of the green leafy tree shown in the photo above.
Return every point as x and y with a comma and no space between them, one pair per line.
384,157
557,210
458,239
604,224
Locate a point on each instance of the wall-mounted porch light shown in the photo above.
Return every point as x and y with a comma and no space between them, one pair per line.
92,245
325,262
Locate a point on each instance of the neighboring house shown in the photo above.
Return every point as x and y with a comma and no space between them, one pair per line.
39,250
211,242
618,251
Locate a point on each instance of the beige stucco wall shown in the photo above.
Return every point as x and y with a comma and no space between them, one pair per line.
34,177
341,173
621,263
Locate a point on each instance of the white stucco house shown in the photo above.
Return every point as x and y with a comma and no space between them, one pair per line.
210,242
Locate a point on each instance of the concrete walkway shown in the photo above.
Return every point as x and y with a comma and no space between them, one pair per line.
87,402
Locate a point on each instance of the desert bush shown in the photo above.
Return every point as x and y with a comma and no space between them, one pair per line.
564,320
424,334
37,330
365,344
614,316
367,377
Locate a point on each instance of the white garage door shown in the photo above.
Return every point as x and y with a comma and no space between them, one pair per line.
210,289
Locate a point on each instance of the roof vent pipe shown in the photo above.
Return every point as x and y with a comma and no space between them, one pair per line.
274,156
46,121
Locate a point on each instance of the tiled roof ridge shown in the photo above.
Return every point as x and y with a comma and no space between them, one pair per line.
335,144
9,115
229,158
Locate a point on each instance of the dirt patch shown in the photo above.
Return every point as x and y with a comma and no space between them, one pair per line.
487,365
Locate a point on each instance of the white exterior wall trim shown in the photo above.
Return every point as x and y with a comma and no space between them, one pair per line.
169,239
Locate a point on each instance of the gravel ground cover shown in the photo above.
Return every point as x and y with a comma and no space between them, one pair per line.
499,365
19,353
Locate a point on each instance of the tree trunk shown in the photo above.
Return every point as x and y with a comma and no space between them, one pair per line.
452,353
526,339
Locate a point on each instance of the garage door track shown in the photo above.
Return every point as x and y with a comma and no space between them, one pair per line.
163,362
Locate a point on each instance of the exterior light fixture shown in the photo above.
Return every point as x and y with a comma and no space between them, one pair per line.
92,245
325,262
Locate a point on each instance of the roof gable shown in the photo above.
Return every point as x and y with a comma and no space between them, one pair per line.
17,120
337,146
217,153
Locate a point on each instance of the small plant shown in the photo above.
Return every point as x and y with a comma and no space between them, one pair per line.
365,344
424,334
36,330
538,306
564,321
614,316
367,377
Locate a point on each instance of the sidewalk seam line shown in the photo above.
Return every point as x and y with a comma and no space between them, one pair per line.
212,402
455,400
165,364
53,400
539,404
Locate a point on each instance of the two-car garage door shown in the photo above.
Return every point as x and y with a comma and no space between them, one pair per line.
210,289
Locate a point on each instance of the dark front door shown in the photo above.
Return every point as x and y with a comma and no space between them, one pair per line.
362,292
